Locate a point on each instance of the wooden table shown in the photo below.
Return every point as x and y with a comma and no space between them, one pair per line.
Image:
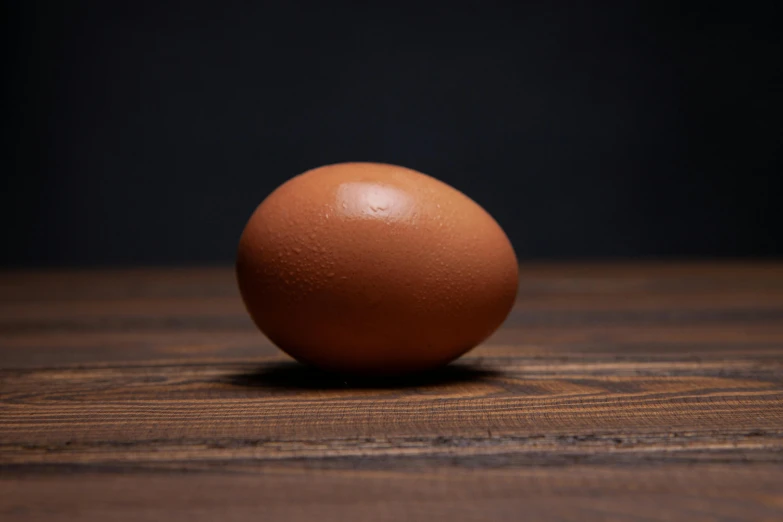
614,391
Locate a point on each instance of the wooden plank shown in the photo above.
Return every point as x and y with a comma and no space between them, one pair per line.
181,413
575,493
613,391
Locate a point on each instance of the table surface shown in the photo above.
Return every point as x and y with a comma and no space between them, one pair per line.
612,392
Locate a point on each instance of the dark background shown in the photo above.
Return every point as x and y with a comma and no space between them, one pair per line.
147,132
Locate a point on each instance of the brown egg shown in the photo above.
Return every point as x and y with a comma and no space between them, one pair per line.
374,268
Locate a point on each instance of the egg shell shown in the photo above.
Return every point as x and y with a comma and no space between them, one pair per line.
376,269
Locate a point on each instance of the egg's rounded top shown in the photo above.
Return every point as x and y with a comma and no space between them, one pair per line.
374,268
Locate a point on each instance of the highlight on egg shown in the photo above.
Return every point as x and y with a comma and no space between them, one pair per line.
374,269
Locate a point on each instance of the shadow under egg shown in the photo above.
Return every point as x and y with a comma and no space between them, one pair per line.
293,376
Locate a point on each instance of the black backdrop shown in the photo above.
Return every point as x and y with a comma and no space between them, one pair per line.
147,132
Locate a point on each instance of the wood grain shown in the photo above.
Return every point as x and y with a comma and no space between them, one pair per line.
640,391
